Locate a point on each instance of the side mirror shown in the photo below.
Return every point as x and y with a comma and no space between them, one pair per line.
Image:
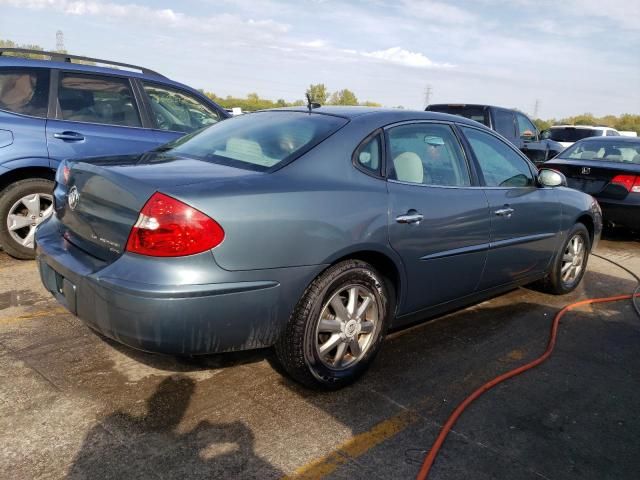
528,135
551,178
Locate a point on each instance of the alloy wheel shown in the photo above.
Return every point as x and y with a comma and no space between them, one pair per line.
26,214
346,327
573,260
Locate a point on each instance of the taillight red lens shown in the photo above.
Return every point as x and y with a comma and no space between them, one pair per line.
168,227
631,183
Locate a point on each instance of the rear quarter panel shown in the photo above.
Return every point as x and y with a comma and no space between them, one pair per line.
310,212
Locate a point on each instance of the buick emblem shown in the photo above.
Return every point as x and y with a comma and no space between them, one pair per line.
586,170
73,198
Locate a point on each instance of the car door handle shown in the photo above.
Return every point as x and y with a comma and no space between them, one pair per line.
410,217
504,212
69,136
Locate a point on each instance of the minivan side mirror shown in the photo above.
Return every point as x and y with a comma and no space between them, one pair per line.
551,178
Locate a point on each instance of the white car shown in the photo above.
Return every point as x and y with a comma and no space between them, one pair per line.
567,135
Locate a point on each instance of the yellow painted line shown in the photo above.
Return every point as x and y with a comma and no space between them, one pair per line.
355,447
36,314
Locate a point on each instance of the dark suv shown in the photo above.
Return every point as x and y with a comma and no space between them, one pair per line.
513,125
68,107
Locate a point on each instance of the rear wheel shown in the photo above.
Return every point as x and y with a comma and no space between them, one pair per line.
571,261
23,206
337,327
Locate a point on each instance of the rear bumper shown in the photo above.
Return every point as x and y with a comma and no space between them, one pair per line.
625,213
220,311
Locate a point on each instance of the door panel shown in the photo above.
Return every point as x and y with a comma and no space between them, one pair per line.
525,218
438,222
444,254
524,240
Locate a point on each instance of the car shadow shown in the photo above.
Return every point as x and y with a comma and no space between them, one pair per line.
152,444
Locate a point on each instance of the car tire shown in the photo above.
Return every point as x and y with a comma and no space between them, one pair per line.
566,273
305,348
28,198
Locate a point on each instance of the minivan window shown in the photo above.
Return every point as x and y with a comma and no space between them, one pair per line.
472,112
25,91
572,134
259,141
178,111
97,99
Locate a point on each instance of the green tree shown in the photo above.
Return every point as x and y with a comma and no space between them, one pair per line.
318,93
11,44
343,97
371,104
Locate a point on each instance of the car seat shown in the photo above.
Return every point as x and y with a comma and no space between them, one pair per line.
408,167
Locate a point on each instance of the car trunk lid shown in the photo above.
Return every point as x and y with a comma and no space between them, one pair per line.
101,199
593,176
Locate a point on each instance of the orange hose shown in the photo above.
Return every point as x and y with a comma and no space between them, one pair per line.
435,448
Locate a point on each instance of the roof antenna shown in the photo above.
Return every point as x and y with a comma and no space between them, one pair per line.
311,105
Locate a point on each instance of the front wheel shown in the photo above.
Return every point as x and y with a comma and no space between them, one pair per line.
23,206
337,327
571,262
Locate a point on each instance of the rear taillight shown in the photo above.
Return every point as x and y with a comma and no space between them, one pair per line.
631,183
167,227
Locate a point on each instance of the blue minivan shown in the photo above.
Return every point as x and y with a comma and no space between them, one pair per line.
61,106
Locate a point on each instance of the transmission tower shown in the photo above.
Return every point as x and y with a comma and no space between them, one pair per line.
59,41
536,108
427,95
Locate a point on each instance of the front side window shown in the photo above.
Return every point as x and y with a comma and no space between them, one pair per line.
501,166
258,141
612,133
428,154
25,91
526,129
178,111
97,99
504,123
368,156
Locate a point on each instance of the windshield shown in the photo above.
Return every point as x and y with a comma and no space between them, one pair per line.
572,134
609,151
471,112
258,141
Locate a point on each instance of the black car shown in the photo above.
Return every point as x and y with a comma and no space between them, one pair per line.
609,169
515,126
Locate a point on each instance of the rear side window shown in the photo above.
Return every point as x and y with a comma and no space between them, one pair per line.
505,125
25,91
97,99
472,112
178,111
428,154
259,141
368,156
501,166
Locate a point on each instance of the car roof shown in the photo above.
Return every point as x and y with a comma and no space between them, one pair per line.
601,127
10,61
616,139
393,114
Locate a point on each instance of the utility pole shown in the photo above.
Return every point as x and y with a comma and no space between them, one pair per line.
427,95
536,108
59,41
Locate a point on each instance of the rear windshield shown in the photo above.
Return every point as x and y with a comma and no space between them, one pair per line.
479,114
259,141
571,134
616,151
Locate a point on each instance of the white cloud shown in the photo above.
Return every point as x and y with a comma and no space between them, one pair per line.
314,44
404,57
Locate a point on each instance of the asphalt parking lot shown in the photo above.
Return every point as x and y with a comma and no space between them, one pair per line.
75,405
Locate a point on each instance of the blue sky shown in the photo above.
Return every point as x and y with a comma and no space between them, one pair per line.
573,56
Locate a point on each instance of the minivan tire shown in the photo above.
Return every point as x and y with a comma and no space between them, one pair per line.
8,199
